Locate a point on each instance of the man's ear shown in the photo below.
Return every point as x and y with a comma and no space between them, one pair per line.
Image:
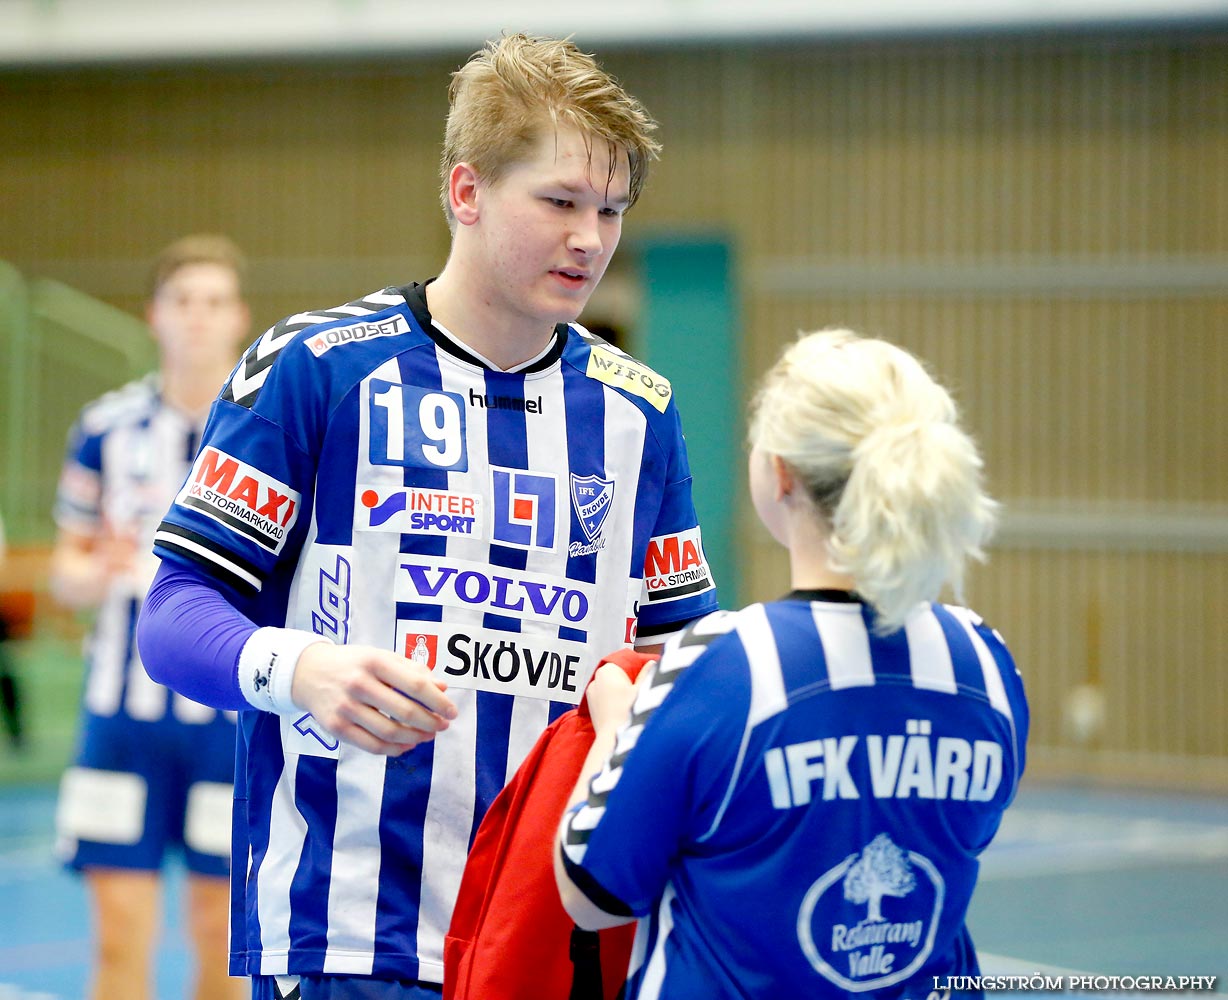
786,478
463,193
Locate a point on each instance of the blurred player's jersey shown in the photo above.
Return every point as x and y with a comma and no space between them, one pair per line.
366,477
802,814
128,454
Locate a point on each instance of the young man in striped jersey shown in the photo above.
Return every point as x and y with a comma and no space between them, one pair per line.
153,770
416,524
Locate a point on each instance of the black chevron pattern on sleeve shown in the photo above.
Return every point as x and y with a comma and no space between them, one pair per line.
252,370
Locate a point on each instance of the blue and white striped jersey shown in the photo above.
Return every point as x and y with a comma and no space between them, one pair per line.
128,454
802,815
365,476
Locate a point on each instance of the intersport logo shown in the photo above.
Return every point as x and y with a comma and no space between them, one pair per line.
459,583
417,511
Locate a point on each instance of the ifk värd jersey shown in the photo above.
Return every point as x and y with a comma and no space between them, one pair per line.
128,453
364,476
803,814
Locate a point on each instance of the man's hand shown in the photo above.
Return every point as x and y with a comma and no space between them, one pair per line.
371,697
83,566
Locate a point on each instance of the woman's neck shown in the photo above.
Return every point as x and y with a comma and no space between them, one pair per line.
810,560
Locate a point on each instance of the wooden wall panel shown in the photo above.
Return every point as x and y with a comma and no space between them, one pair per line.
1044,221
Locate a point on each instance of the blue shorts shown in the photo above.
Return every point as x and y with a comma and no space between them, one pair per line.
340,988
137,789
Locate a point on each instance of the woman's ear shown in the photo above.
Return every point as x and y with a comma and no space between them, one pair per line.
786,478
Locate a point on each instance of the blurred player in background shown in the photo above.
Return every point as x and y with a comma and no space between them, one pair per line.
796,804
440,484
153,770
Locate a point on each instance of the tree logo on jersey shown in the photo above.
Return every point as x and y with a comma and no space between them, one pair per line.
249,502
524,514
870,922
591,498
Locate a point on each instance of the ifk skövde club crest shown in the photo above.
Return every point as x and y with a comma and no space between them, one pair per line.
592,497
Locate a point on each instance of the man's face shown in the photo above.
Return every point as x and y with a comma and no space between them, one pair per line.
198,317
548,227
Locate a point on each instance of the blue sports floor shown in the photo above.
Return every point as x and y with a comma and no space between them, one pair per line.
1078,881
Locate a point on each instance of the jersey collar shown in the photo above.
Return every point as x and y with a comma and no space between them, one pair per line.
828,594
415,297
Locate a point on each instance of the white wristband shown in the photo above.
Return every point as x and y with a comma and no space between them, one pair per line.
266,667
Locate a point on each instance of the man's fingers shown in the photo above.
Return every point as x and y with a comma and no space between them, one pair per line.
394,735
354,734
416,686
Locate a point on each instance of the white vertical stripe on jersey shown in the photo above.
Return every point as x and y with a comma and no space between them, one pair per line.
356,856
846,644
287,832
530,717
767,682
654,974
448,822
106,655
767,690
356,863
457,376
449,810
639,946
994,687
929,656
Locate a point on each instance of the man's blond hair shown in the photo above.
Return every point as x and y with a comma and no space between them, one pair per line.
508,93
199,248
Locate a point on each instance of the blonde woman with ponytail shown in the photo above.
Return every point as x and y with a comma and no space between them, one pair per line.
803,814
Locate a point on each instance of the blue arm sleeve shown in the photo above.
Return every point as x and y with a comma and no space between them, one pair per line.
190,637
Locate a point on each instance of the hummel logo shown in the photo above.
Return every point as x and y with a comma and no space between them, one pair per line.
261,677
